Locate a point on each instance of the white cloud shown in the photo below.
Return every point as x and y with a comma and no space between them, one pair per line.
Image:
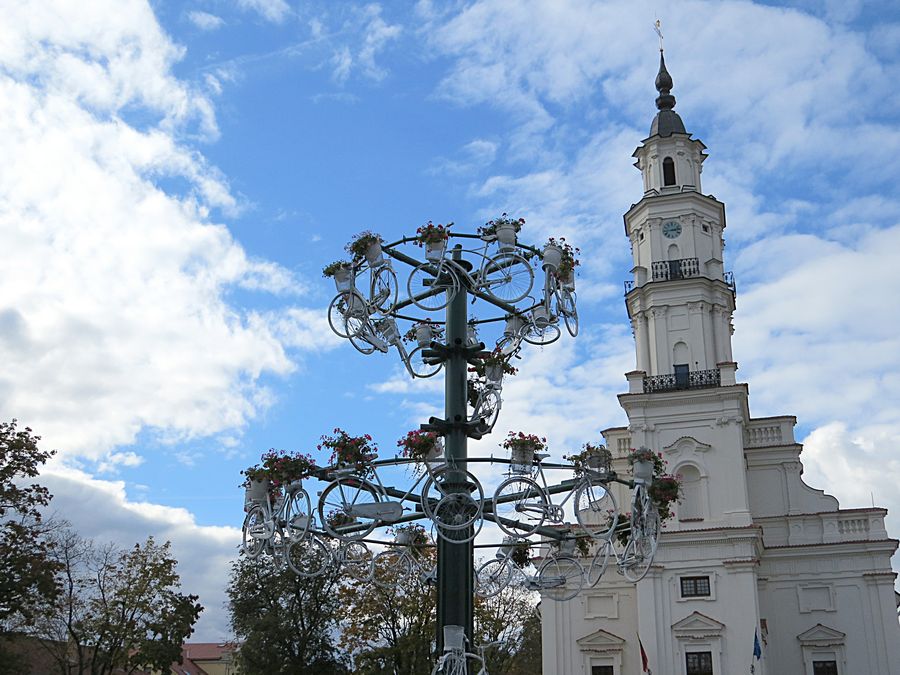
113,287
101,510
271,10
205,20
370,35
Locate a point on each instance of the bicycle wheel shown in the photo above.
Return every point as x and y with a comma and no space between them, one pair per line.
641,548
541,336
599,562
357,559
308,557
419,367
254,532
390,568
346,508
452,498
438,281
297,515
492,577
561,577
384,289
487,408
595,509
507,277
347,314
520,506
565,303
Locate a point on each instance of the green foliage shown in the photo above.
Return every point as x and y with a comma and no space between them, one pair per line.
119,609
286,623
27,571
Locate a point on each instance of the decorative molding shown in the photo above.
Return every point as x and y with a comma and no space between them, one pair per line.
601,641
697,625
822,636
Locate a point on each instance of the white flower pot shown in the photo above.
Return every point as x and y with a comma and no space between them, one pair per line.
513,325
568,281
506,547
552,256
258,490
642,471
343,279
434,250
424,335
595,462
373,254
435,458
471,335
506,237
294,486
403,538
522,459
493,373
389,331
541,316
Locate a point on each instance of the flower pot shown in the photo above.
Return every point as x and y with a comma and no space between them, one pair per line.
541,316
513,325
424,335
258,490
343,279
403,538
552,256
568,281
435,458
506,236
373,254
506,547
596,462
389,331
434,250
471,335
493,373
642,471
522,459
294,486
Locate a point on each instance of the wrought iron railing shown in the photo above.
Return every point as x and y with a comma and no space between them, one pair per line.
694,379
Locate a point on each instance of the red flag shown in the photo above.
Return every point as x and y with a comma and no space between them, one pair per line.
645,662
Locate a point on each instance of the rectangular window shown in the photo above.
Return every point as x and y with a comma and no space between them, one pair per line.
602,670
694,587
825,668
698,663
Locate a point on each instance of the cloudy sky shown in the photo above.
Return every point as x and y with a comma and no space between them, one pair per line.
176,174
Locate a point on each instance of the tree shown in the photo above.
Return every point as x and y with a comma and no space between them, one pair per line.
118,609
287,623
390,627
27,573
508,618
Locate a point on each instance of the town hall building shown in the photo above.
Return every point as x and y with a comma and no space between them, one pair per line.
757,571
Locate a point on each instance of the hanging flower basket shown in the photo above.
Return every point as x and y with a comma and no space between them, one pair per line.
643,454
514,324
568,281
347,450
434,250
471,334
389,330
494,372
257,490
342,273
424,334
541,317
643,471
367,245
521,448
552,256
507,546
423,446
506,236
434,239
594,457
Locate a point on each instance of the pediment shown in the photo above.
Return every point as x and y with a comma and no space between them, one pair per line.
821,636
600,641
686,444
697,625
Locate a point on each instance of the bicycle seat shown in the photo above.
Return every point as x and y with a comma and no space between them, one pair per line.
540,456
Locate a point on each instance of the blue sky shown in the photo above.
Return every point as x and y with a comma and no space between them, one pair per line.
180,172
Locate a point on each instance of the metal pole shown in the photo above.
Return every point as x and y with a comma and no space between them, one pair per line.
456,561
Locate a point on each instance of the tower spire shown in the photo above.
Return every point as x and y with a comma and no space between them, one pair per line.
667,121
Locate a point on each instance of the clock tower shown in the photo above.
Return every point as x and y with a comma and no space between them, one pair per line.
682,328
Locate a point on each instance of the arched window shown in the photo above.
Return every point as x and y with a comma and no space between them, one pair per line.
691,505
668,171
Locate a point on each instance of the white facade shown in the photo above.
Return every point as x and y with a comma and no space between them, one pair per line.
752,550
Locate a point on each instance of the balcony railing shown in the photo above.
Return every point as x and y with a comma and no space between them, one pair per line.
667,270
693,379
673,269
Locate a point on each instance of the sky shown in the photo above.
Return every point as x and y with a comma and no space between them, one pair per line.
177,174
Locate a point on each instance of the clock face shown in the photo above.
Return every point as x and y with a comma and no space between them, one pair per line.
671,229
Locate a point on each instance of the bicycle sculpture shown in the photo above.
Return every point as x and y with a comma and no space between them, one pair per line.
373,528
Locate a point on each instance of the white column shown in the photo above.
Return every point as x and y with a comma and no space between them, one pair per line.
660,357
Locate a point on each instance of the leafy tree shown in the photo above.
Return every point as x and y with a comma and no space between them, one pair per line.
119,610
527,659
508,618
390,627
27,572
286,623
